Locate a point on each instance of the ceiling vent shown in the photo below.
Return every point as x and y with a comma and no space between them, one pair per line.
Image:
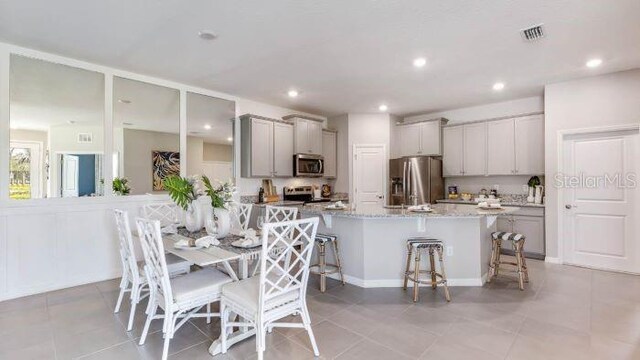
85,138
533,33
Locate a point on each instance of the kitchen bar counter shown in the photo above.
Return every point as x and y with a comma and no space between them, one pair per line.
373,241
439,210
504,203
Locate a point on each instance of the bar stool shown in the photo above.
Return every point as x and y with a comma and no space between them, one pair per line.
517,242
321,241
431,246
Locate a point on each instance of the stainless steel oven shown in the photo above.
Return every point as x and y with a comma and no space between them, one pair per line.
305,165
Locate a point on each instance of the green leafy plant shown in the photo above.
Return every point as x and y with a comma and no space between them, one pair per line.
534,181
220,195
181,190
120,186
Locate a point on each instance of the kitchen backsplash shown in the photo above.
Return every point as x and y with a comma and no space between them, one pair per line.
506,184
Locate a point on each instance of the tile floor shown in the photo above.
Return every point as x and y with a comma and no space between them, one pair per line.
566,313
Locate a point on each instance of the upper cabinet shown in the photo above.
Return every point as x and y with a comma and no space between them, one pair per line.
308,134
266,147
453,150
516,146
329,152
420,138
529,145
502,147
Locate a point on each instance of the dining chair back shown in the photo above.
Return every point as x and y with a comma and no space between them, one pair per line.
130,270
240,215
167,213
154,259
280,213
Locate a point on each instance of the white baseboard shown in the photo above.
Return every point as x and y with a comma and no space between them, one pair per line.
399,282
552,260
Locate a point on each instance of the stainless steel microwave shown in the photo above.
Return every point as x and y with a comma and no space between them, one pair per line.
305,165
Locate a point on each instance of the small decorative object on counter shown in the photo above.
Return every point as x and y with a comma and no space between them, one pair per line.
483,194
533,182
261,196
493,194
539,194
326,190
453,192
466,196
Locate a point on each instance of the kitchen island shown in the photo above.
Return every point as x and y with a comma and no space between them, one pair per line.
372,240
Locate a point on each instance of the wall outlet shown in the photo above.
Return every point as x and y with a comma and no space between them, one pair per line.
449,250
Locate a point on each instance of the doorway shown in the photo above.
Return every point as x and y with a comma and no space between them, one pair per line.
25,170
599,199
369,174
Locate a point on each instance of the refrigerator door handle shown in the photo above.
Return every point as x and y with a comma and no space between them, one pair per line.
404,181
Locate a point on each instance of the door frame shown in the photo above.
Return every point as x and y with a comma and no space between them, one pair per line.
385,169
561,137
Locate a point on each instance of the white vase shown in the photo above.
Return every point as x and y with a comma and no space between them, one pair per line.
539,193
531,197
222,221
193,217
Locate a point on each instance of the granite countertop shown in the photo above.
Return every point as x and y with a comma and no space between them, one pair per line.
439,211
504,202
280,203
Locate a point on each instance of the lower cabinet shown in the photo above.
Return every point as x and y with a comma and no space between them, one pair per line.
531,225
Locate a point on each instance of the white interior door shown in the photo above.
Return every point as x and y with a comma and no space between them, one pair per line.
70,175
369,174
600,198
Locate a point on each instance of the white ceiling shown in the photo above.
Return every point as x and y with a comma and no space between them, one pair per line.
343,56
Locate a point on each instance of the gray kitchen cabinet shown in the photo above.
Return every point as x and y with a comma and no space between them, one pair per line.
420,138
308,134
452,157
266,147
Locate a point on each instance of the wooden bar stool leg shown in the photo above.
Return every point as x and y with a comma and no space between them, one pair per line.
518,251
408,267
524,265
322,267
492,262
496,270
338,262
432,262
416,275
444,275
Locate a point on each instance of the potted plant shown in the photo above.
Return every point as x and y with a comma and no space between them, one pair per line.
219,222
183,192
120,186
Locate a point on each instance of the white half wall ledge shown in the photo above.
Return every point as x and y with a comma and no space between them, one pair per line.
552,260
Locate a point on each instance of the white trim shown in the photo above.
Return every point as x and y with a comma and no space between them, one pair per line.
354,173
398,283
4,124
561,135
552,260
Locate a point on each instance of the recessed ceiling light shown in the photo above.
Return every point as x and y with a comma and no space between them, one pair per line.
207,127
124,101
229,139
292,93
419,62
207,35
594,63
383,107
498,86
71,122
127,124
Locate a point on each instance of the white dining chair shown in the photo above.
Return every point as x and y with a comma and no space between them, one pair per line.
180,298
280,213
167,213
262,301
240,215
133,278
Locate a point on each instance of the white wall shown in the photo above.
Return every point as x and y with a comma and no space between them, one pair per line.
598,101
341,124
489,111
217,152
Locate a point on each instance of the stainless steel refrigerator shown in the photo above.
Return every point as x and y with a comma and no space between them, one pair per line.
415,180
